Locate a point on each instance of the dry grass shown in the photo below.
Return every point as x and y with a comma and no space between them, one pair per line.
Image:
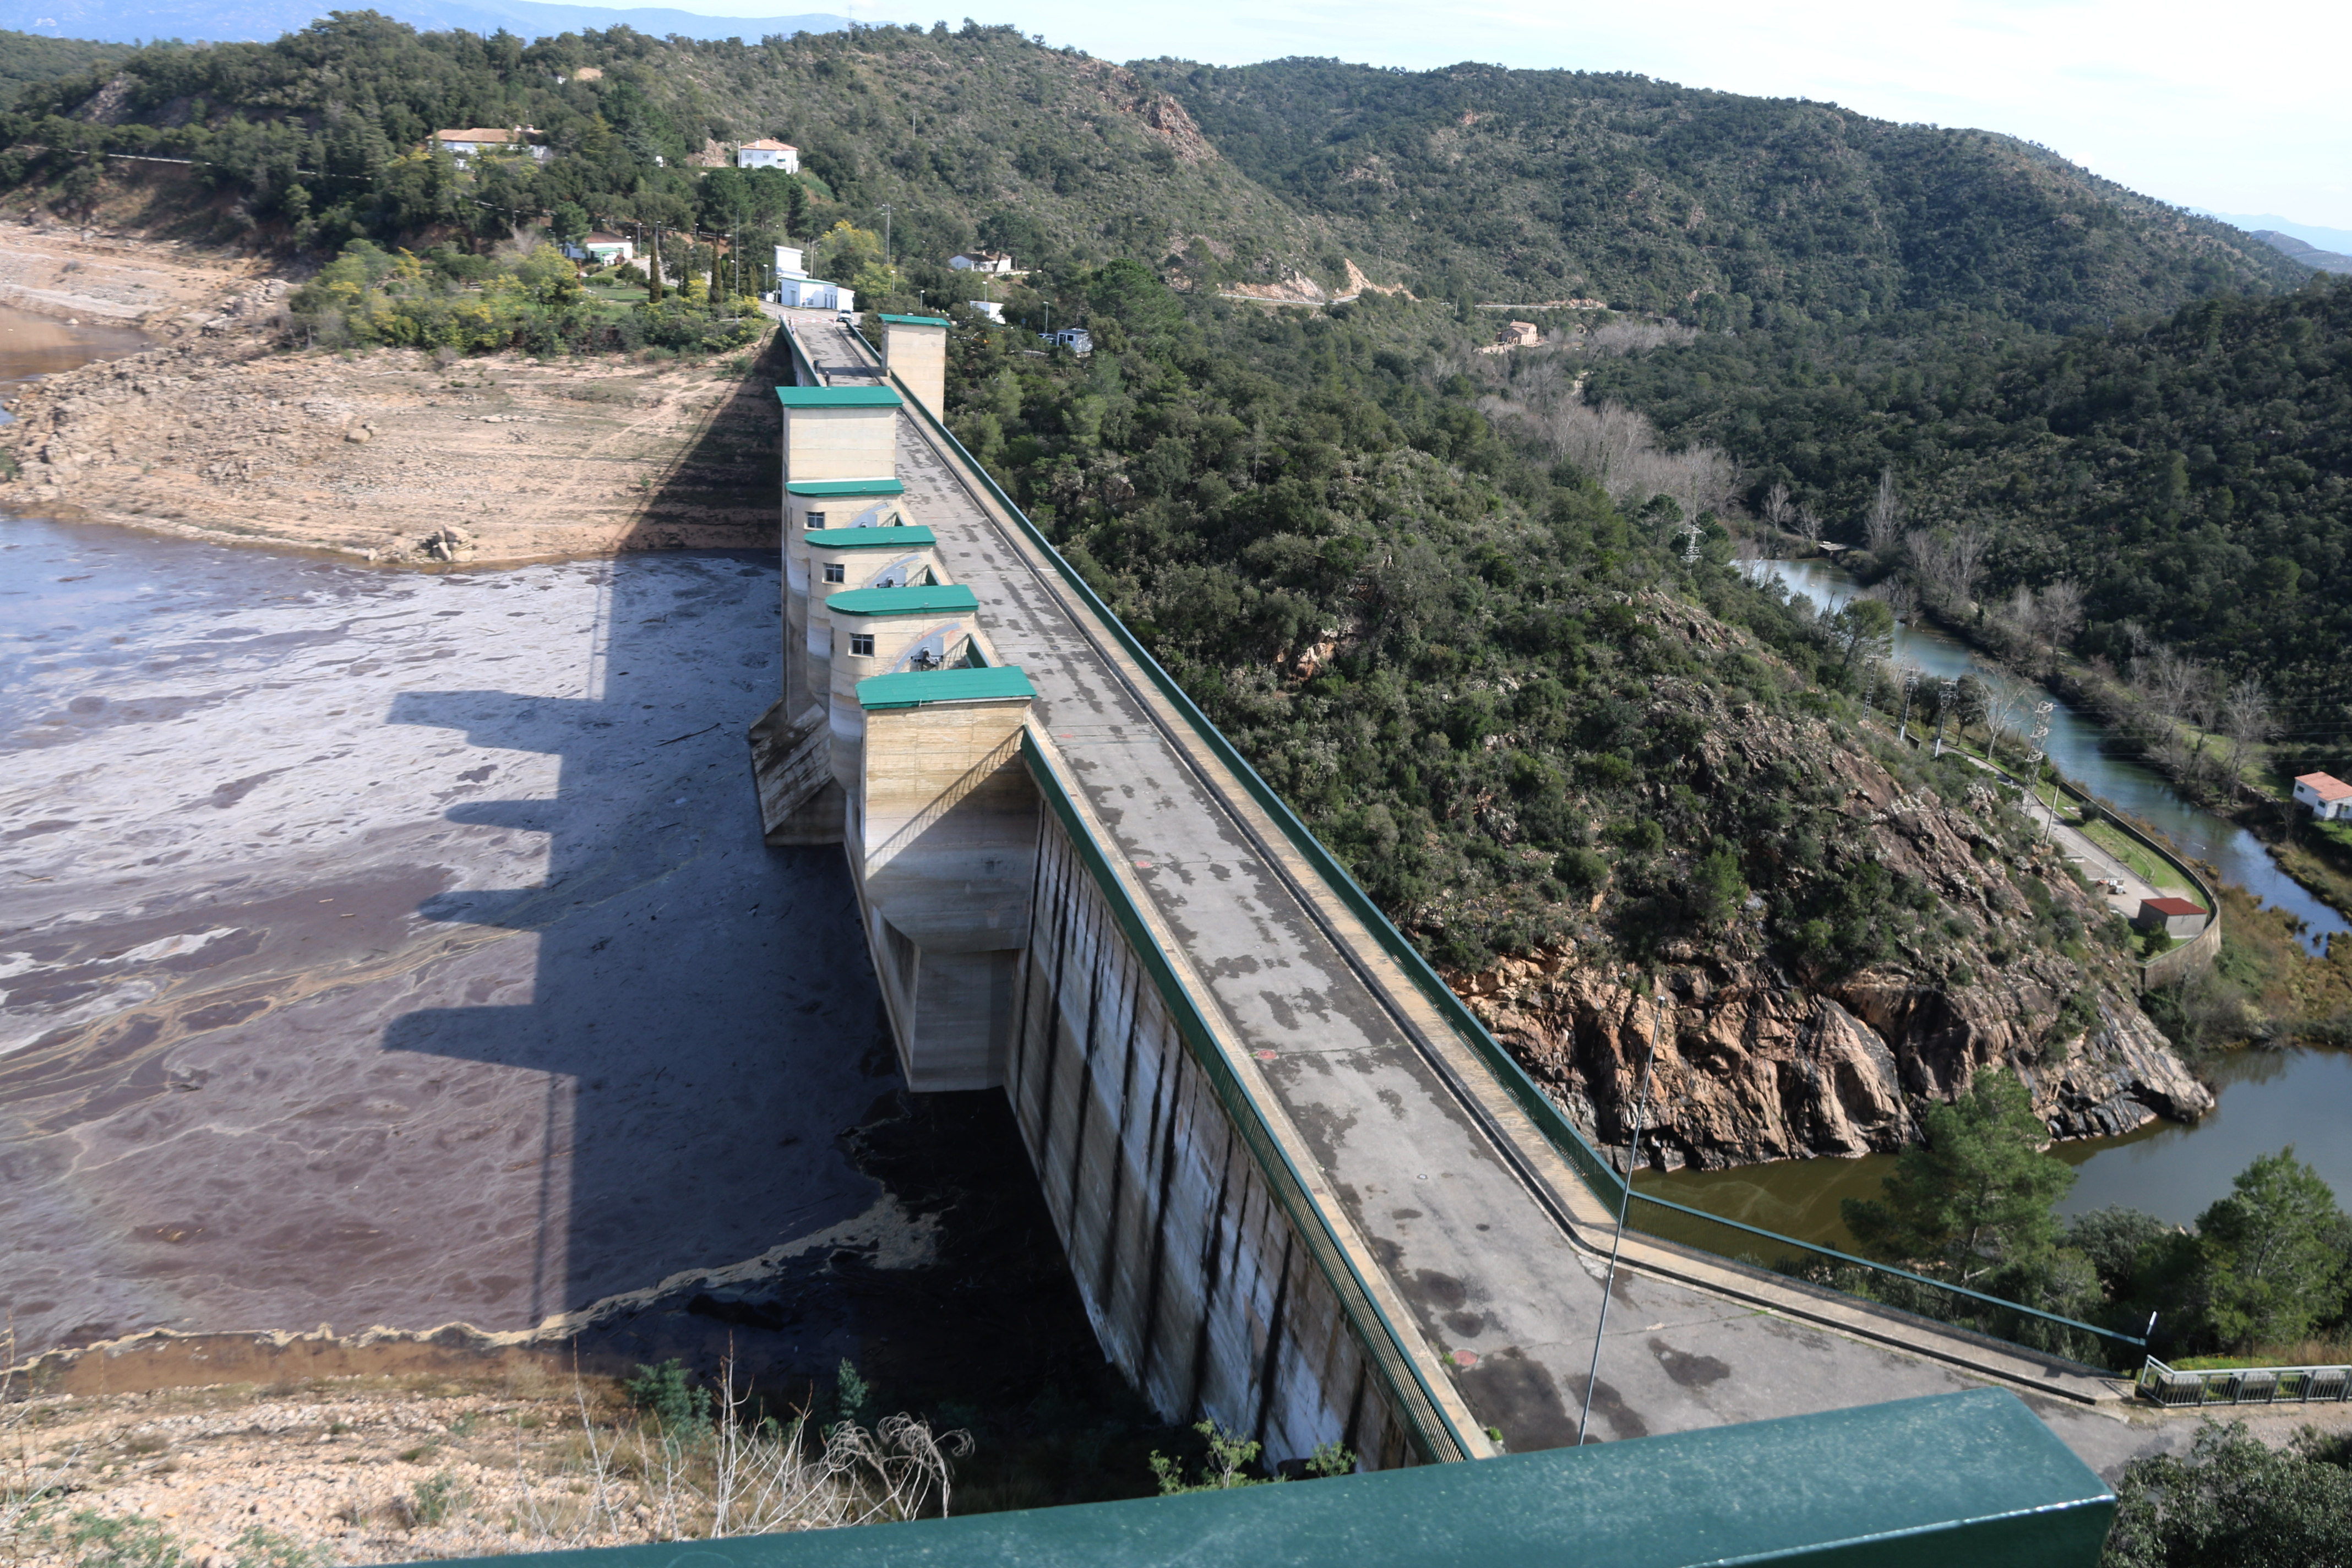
305,1473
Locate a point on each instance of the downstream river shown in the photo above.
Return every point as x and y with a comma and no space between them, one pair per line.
2268,1099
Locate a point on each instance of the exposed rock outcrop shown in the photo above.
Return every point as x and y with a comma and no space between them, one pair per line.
1751,1066
1757,1061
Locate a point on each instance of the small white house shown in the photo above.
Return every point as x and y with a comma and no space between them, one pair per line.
768,152
2328,797
995,263
1077,339
602,249
465,145
806,293
2176,917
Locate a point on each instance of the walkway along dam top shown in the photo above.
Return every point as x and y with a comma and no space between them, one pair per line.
1477,1240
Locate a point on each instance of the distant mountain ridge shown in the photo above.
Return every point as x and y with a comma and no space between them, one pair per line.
259,21
2333,240
1723,210
2311,256
1472,183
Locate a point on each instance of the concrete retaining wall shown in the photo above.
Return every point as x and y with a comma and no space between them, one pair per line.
1200,1287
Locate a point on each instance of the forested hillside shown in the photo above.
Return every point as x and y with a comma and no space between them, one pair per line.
1508,700
1724,210
28,58
2192,473
979,136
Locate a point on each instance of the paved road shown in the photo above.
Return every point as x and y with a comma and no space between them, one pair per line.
2124,888
1506,1301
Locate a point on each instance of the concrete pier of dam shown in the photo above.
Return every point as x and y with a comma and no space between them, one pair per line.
1296,1195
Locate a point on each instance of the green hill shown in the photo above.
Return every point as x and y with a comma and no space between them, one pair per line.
2193,471
27,58
978,135
1727,210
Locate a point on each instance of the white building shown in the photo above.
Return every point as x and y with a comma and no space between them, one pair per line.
992,308
1077,339
995,263
814,294
464,144
602,249
768,152
2328,797
796,290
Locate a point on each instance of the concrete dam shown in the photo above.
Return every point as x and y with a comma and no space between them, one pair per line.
1300,1191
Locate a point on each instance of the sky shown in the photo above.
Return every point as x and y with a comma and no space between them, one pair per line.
2201,105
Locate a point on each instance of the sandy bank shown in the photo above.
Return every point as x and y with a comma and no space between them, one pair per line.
101,276
217,435
377,454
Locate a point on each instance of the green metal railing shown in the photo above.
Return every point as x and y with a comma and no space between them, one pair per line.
1960,1480
1885,1286
2164,1385
1880,1284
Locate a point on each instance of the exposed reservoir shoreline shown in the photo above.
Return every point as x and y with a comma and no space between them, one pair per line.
191,421
397,983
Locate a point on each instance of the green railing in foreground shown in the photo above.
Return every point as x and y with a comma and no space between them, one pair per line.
1958,1480
1878,1282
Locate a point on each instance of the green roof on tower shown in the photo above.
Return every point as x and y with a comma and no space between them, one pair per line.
868,396
846,487
938,600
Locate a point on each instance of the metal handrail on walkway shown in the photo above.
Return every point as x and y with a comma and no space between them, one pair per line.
1540,1107
2161,1384
1777,1253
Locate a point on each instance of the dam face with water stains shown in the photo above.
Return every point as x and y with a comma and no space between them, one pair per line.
1297,1186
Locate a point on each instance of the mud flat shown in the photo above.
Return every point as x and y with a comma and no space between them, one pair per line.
386,948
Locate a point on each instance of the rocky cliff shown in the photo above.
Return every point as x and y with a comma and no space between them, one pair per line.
1753,1066
1760,1058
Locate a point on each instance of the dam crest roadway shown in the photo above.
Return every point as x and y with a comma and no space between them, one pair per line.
1295,1195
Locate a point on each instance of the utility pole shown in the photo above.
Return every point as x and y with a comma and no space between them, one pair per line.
1943,711
2042,712
885,210
1903,725
1625,1207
